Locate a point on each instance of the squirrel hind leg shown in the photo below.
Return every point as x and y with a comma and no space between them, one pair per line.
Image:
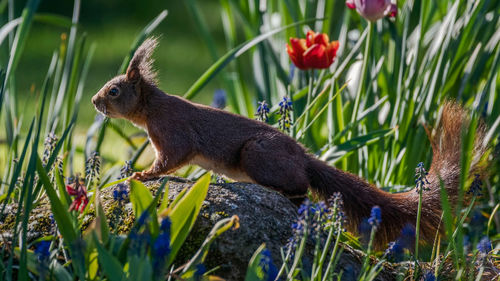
270,165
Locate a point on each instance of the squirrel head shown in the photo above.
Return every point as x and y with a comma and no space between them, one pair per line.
121,96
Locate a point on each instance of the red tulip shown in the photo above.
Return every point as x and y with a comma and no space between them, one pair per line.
373,10
313,52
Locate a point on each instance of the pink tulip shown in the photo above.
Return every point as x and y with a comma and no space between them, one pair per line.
373,10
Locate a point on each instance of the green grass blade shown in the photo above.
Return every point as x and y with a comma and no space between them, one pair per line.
61,214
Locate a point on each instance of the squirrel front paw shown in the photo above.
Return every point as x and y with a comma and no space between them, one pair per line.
142,176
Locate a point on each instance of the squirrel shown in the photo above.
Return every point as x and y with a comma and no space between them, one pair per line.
183,132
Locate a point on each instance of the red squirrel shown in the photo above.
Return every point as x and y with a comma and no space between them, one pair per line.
183,132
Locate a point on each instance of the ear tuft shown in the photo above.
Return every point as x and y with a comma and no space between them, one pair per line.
141,65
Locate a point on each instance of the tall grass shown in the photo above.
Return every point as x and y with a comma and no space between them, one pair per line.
366,114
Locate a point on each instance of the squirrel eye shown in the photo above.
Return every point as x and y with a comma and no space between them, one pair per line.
113,92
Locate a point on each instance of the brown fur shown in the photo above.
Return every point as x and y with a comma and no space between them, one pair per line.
183,132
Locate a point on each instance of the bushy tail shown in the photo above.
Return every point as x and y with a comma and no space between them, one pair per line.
401,208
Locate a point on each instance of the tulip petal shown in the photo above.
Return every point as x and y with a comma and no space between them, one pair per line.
71,191
322,39
313,52
393,10
350,4
316,57
372,10
296,50
310,38
331,50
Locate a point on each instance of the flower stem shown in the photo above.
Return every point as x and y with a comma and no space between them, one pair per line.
332,256
362,77
368,252
417,226
323,254
298,254
309,97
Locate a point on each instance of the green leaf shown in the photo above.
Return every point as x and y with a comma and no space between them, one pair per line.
254,271
110,265
184,213
140,269
63,195
61,214
339,151
57,271
8,28
219,228
19,42
448,218
53,19
101,221
17,169
140,197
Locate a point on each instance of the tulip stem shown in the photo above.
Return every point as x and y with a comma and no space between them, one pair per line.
362,77
309,96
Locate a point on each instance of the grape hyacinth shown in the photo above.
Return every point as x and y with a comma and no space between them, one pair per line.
200,270
219,99
267,265
336,215
421,181
42,250
300,225
161,247
429,276
467,244
315,218
484,246
219,179
319,213
42,253
375,216
120,194
285,108
93,168
476,223
396,249
58,164
476,187
140,241
49,145
370,225
126,170
262,111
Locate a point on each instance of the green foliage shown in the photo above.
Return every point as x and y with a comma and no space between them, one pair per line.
367,113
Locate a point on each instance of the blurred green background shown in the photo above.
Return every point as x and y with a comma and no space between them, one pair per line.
112,25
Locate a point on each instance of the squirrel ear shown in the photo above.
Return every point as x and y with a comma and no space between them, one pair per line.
133,75
141,64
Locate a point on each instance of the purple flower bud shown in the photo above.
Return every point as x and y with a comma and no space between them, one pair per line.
484,246
373,10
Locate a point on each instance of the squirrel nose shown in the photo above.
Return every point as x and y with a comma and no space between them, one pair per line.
94,100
